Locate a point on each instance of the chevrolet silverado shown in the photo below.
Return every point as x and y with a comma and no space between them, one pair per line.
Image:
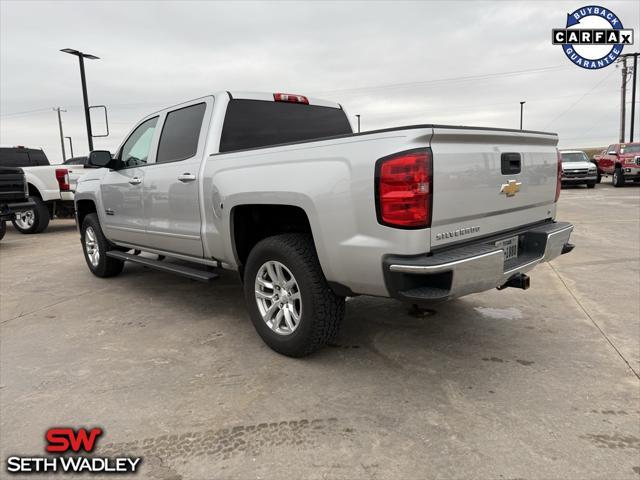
278,188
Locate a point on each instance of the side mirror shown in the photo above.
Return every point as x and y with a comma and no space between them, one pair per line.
101,159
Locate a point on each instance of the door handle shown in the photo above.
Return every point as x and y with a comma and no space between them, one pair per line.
135,181
186,177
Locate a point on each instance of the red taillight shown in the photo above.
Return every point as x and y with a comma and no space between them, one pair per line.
291,98
403,189
62,175
559,177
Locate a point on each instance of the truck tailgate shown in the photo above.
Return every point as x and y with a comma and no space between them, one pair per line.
487,181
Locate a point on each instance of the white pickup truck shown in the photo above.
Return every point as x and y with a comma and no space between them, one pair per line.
280,189
51,187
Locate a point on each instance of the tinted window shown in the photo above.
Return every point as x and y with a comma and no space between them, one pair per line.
256,123
76,161
11,157
135,150
633,148
38,157
179,139
574,157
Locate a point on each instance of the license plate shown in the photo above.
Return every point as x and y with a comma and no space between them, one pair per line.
510,247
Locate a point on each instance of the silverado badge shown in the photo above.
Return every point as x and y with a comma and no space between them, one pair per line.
511,188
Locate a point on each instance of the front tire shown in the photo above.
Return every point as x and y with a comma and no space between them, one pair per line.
292,307
618,177
95,247
591,185
3,228
31,221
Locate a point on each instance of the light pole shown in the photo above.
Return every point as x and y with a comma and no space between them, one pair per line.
358,117
70,145
81,56
521,111
58,109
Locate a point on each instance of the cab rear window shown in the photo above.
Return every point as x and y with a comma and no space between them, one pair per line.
22,157
257,123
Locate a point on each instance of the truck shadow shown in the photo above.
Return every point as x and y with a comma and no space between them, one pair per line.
377,332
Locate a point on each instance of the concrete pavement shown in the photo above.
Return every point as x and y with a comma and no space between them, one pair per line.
535,384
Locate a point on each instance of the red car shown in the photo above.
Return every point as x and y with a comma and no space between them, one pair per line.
622,161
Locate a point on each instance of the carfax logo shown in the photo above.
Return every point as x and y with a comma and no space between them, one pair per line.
593,37
69,444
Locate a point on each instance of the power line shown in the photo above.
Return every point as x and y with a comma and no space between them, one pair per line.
448,80
580,99
26,112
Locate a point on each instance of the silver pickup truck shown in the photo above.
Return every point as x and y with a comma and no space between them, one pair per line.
280,189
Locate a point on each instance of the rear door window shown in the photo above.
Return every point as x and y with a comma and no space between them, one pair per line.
180,133
258,123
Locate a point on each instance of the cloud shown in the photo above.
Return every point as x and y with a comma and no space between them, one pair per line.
418,56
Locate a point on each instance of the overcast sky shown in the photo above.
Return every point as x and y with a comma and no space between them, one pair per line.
394,63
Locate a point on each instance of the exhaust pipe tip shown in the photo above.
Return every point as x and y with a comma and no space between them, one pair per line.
519,280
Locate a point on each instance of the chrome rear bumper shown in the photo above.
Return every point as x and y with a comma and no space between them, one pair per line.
473,268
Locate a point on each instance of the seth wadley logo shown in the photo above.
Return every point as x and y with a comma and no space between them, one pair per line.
64,440
593,37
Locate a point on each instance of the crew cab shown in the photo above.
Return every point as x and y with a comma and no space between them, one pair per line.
622,162
13,196
577,169
278,188
50,187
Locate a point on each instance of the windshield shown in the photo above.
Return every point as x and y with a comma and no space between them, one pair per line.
635,148
574,157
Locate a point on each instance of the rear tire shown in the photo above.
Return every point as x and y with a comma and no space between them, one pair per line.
618,177
95,247
35,220
292,307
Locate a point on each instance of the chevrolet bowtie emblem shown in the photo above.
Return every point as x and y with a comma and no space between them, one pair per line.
511,188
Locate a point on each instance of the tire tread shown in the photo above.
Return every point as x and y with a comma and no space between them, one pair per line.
329,307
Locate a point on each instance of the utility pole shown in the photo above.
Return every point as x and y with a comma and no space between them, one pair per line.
58,109
633,94
623,98
521,112
70,145
358,116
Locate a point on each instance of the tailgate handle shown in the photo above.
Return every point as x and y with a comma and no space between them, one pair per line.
511,163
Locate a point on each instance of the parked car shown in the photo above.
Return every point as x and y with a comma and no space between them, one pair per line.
50,187
577,169
13,196
278,188
622,162
76,168
81,161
